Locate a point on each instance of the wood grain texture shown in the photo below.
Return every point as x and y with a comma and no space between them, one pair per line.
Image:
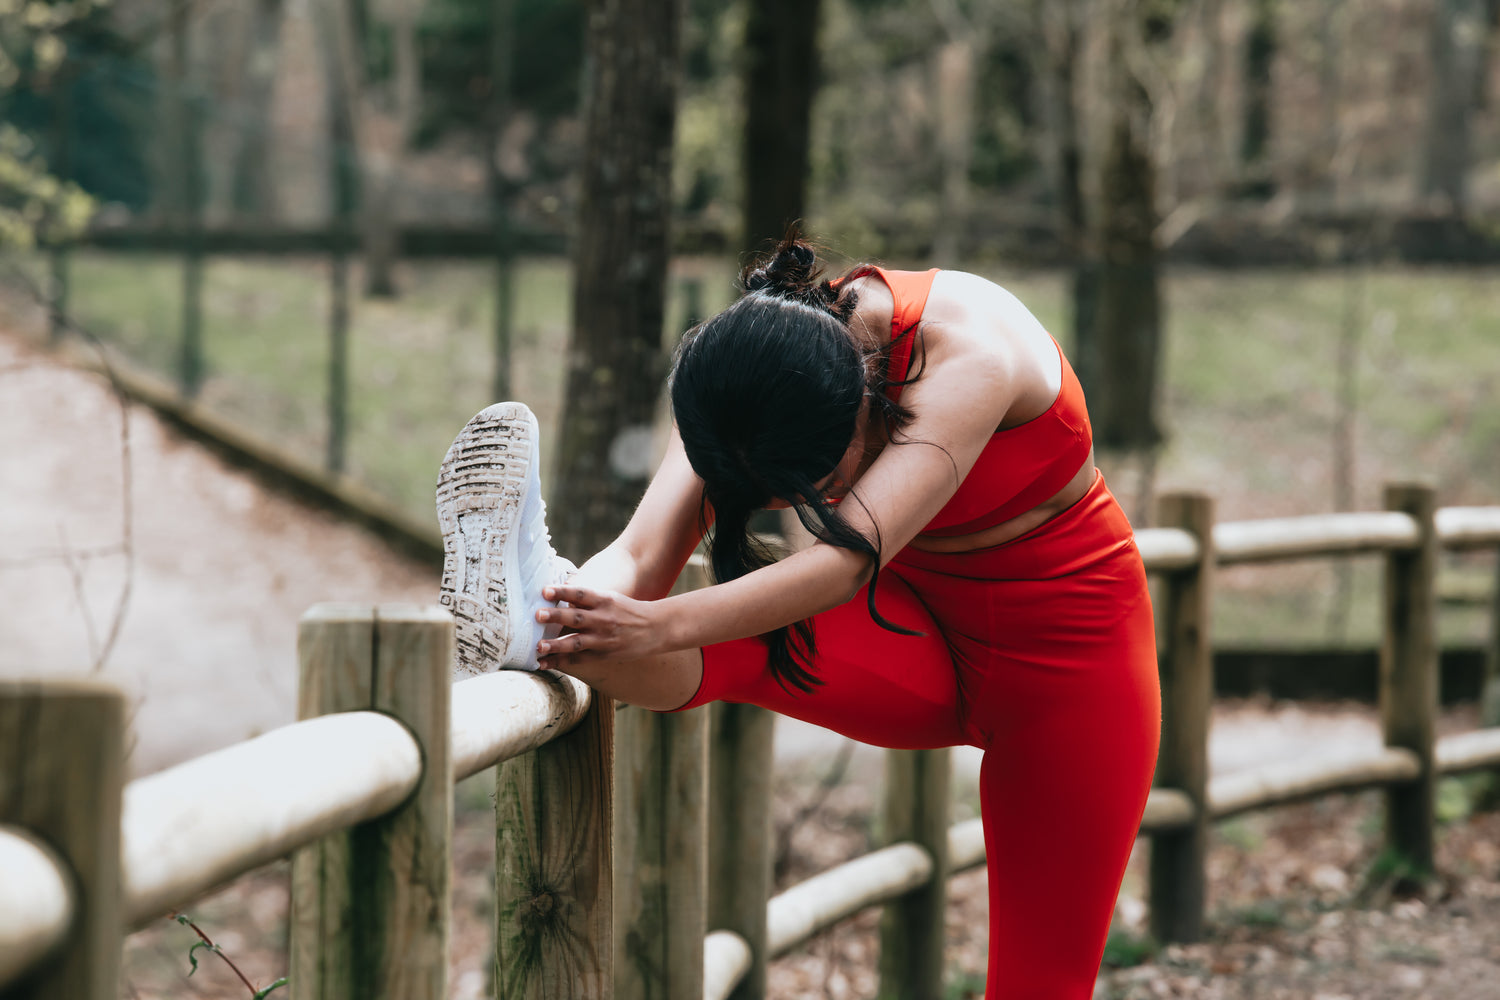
62,751
554,866
661,788
510,712
1178,856
918,806
739,832
1409,673
370,906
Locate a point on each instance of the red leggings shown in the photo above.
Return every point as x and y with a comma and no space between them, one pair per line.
1042,652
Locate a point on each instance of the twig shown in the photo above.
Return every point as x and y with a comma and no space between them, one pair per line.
830,780
127,502
44,556
187,921
75,573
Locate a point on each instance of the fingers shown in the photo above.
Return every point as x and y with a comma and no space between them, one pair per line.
566,617
575,642
581,597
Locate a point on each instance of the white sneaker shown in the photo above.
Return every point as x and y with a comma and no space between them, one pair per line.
497,555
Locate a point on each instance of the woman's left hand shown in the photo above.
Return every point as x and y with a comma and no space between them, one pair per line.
599,622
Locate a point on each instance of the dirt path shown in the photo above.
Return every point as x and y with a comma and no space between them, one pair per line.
220,567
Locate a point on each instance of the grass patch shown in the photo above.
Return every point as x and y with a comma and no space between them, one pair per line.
1249,390
1125,950
960,985
1265,914
1240,833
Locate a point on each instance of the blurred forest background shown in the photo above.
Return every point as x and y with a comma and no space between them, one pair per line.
1263,230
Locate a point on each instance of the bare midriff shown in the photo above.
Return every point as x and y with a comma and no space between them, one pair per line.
1019,525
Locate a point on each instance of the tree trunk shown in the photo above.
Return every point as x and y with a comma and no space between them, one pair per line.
1125,362
343,81
1456,32
252,196
955,89
615,356
1062,27
781,55
381,239
502,62
1330,91
1260,54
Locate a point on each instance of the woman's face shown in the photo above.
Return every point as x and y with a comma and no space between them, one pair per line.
836,485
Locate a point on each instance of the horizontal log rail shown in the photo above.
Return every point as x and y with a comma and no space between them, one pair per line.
1310,536
1313,535
205,822
1291,781
1470,751
197,825
36,902
1468,527
807,909
507,713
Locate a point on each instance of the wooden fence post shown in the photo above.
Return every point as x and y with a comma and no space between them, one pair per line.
62,766
1178,879
739,831
1489,699
370,906
1409,674
554,874
918,808
661,787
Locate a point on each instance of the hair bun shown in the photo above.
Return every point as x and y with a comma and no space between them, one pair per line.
789,271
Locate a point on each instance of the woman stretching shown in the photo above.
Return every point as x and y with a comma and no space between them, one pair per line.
972,580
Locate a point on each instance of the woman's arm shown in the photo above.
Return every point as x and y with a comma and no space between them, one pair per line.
963,394
645,560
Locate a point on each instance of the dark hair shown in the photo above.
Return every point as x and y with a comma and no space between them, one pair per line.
766,396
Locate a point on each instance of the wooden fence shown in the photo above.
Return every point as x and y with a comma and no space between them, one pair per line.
358,793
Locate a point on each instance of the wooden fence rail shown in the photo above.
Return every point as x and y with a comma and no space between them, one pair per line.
359,793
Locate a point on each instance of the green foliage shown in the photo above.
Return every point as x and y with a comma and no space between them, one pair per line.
34,205
72,102
193,957
963,986
1240,833
260,994
1458,797
546,54
1264,914
1396,871
1124,950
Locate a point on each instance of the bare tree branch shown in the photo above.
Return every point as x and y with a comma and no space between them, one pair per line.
127,477
75,573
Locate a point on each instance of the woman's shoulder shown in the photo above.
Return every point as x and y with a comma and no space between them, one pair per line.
959,298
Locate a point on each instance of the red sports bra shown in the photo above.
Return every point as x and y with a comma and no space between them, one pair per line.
1021,466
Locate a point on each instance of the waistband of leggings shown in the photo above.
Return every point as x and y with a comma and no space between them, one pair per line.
1091,529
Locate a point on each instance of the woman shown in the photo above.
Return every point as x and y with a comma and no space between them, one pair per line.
972,579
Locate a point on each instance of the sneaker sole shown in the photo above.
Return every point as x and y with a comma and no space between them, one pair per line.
480,492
